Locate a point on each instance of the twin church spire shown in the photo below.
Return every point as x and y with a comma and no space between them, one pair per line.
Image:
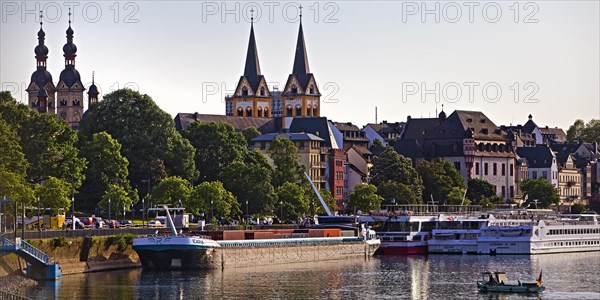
252,97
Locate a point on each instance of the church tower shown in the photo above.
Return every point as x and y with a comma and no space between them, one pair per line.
41,85
252,97
69,88
92,93
301,96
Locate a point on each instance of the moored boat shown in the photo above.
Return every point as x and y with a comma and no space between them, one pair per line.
497,282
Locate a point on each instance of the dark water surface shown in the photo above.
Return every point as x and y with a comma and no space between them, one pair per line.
566,276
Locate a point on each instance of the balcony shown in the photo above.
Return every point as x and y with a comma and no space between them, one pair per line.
319,179
318,164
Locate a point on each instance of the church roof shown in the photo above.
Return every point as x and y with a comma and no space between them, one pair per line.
301,68
252,67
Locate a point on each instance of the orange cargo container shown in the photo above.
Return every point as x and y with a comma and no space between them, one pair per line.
262,235
316,232
229,235
331,232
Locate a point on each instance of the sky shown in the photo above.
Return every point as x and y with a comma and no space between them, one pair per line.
507,59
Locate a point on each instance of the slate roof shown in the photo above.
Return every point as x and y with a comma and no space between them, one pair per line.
537,157
252,67
313,125
268,137
559,133
301,68
461,124
387,127
417,129
263,125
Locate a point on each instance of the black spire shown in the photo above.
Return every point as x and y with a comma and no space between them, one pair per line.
69,48
41,51
252,68
93,90
301,59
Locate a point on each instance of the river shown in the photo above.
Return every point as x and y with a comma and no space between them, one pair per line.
566,276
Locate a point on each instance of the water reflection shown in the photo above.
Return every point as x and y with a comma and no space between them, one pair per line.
415,277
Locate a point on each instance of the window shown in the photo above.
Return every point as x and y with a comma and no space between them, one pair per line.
240,112
545,174
485,169
312,89
511,170
298,111
495,169
294,89
503,169
289,111
301,145
512,191
262,146
457,165
476,168
339,163
534,174
259,112
339,175
244,91
262,91
503,191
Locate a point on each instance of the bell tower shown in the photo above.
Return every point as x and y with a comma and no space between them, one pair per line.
41,85
252,97
301,96
70,89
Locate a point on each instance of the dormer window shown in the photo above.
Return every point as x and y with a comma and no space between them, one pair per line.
244,91
312,89
294,89
262,91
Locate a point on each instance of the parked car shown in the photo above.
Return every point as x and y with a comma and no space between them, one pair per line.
113,224
126,223
155,223
78,224
87,221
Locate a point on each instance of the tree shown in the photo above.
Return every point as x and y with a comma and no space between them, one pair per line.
117,198
364,198
400,192
481,192
48,144
314,205
217,145
106,166
172,190
539,189
54,194
284,154
456,196
11,157
589,132
250,133
392,166
212,196
578,208
147,134
439,178
13,185
294,200
250,183
6,96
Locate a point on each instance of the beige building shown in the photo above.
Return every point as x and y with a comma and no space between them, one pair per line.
311,154
570,183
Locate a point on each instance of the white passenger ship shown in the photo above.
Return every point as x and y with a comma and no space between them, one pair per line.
457,235
553,234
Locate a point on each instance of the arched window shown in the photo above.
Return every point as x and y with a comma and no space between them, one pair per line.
312,89
266,113
240,112
294,89
315,111
308,110
244,91
248,111
63,102
259,112
298,110
262,91
288,111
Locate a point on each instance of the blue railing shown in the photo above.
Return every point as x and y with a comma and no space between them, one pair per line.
35,252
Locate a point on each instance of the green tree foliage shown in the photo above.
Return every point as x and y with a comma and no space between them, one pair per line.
54,193
217,145
147,134
224,204
251,182
539,189
12,185
481,192
5,96
11,157
119,199
578,208
455,196
294,200
284,154
439,178
250,133
401,193
314,205
364,198
49,145
589,132
171,190
392,166
106,166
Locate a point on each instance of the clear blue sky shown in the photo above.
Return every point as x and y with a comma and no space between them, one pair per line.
363,54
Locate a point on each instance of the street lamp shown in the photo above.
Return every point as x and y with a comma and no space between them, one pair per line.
143,212
73,211
109,209
212,210
38,219
281,205
246,209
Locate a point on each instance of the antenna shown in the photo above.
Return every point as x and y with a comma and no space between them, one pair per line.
375,114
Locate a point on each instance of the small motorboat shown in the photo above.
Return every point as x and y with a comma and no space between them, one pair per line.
497,282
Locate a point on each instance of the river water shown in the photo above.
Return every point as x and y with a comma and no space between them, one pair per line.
566,276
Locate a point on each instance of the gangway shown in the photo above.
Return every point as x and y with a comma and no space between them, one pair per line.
38,265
